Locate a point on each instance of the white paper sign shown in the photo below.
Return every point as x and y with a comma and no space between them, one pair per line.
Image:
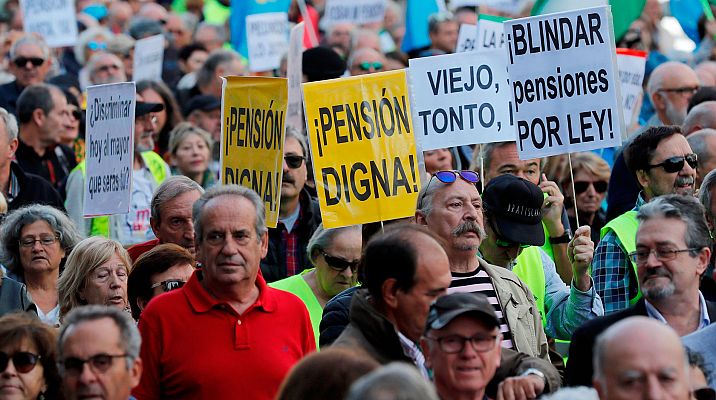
148,58
564,82
466,38
490,32
54,20
109,148
266,37
631,74
460,99
354,11
294,110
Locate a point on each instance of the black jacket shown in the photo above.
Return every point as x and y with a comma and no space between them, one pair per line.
273,266
9,94
33,189
579,366
54,166
336,316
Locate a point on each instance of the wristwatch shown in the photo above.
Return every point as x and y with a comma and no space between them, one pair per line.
534,371
560,239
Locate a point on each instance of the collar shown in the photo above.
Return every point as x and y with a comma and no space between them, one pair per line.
704,319
640,201
411,350
202,301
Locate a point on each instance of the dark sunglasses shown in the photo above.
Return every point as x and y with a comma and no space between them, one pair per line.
294,161
675,164
582,186
23,361
73,366
169,284
21,62
705,394
338,263
77,114
365,66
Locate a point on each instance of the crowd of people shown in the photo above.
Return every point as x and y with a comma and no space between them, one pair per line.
588,276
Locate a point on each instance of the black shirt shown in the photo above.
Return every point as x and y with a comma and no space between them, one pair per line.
54,166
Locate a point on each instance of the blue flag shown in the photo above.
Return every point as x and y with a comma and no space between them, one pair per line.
416,24
241,9
688,12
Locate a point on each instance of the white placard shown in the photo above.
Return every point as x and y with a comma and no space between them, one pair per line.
148,58
460,99
294,110
109,148
466,38
631,65
266,36
54,20
490,33
354,11
564,82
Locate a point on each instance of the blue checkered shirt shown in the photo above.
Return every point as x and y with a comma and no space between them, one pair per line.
612,272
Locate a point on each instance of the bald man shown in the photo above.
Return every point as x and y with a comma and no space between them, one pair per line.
702,116
703,143
670,88
640,358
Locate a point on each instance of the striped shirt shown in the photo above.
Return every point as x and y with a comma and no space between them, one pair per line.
479,281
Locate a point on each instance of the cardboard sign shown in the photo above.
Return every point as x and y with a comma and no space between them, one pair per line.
466,38
266,35
631,75
294,113
253,114
363,148
490,32
354,11
564,79
109,149
148,58
460,99
54,20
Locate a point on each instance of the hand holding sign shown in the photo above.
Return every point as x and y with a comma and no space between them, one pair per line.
552,207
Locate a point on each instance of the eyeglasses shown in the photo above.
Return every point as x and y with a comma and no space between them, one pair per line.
23,361
107,68
366,66
675,164
169,284
681,90
339,264
98,362
294,161
21,62
705,393
94,46
450,177
582,186
641,256
45,240
455,343
76,114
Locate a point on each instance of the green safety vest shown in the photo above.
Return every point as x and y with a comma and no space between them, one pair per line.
530,270
99,226
625,226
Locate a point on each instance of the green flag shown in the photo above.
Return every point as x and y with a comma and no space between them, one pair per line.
624,12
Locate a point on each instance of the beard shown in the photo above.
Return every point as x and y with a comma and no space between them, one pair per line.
674,115
658,292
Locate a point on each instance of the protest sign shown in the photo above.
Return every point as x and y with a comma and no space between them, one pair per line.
363,148
563,73
490,32
54,20
148,59
631,74
109,149
252,126
239,18
294,73
266,35
353,11
460,99
466,38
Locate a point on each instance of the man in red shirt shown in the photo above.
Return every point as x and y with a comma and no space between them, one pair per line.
225,333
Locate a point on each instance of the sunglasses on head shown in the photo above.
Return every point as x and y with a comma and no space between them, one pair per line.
294,161
23,361
338,263
169,284
675,164
94,46
582,186
21,62
365,66
450,177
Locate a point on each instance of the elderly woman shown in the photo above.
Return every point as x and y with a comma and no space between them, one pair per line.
168,118
90,42
591,178
334,254
190,150
28,351
35,240
96,273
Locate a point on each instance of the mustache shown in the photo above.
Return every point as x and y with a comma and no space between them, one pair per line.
657,272
684,180
470,226
288,179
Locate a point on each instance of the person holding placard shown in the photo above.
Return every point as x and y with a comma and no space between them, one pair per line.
29,63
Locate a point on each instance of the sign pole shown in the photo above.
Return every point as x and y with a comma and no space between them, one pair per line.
574,192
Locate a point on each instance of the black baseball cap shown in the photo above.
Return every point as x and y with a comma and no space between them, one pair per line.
204,102
515,208
446,308
321,63
144,108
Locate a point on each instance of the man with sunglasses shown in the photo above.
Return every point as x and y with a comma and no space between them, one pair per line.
298,215
105,68
662,162
366,61
30,63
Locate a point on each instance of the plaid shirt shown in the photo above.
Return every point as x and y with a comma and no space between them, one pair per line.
612,272
289,246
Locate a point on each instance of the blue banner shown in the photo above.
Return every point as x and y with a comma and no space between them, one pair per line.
241,9
416,24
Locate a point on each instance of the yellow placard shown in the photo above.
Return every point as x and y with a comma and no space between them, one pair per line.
253,115
363,148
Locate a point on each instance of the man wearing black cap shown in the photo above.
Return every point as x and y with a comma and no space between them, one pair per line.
148,173
462,371
321,63
204,111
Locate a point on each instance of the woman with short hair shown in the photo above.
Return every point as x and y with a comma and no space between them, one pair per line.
591,179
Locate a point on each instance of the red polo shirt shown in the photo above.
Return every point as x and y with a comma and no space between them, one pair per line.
197,347
140,248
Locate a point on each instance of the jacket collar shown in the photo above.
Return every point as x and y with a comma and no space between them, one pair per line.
379,332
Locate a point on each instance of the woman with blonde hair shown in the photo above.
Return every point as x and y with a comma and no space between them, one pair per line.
591,178
95,273
190,151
